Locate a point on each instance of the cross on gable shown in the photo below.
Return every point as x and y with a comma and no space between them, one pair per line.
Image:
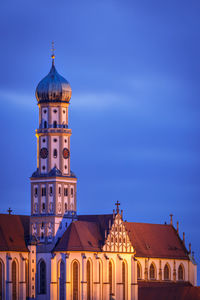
9,211
117,205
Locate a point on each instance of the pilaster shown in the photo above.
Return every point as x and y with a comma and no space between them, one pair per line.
83,278
53,284
9,277
22,279
134,284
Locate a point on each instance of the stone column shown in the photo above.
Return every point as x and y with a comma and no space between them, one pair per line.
9,277
22,279
134,284
160,270
174,271
67,277
53,284
83,278
146,270
106,286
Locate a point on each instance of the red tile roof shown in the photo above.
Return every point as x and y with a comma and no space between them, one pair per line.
167,291
14,231
149,240
80,236
155,240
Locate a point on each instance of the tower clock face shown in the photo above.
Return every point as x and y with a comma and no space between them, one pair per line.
43,153
65,153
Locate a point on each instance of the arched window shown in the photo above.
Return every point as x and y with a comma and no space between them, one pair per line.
88,280
139,271
55,153
1,279
61,280
54,124
14,280
180,273
26,279
45,124
75,280
111,278
166,272
42,277
124,280
152,272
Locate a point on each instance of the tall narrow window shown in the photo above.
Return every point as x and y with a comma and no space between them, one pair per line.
72,192
36,191
124,279
139,273
26,279
180,273
45,124
110,277
14,280
55,124
55,153
65,192
75,281
61,280
166,272
88,280
43,191
1,280
43,206
65,206
59,190
50,190
152,272
42,277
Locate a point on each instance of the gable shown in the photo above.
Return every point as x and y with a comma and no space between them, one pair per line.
117,239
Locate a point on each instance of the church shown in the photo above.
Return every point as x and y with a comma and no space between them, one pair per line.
57,254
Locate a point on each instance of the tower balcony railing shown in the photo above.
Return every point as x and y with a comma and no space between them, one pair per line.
53,130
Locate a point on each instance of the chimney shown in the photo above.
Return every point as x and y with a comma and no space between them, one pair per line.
184,238
171,219
190,248
177,228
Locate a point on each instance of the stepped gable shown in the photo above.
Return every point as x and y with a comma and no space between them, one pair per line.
14,232
167,290
156,240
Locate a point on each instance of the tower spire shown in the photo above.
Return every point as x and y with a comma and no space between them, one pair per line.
53,53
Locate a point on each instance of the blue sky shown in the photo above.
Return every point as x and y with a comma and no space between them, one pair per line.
134,68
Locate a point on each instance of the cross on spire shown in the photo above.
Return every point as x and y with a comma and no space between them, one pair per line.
9,211
117,205
53,53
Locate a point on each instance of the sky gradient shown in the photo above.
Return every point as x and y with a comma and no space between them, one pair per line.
134,69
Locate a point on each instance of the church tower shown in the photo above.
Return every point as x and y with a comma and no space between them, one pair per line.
53,185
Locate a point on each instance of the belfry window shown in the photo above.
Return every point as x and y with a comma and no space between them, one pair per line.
45,124
50,190
55,153
72,192
55,124
36,192
43,191
43,206
59,190
65,206
65,192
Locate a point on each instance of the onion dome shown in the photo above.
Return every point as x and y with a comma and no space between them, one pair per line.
53,87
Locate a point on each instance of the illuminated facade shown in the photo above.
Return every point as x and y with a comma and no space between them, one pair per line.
57,254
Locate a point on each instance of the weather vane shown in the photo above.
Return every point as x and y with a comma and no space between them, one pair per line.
53,53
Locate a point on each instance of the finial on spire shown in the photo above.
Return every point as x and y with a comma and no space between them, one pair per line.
117,205
53,53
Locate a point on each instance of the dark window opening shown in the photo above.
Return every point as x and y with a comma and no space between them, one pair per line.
55,153
55,124
45,124
72,192
65,191
42,279
51,190
43,206
43,191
